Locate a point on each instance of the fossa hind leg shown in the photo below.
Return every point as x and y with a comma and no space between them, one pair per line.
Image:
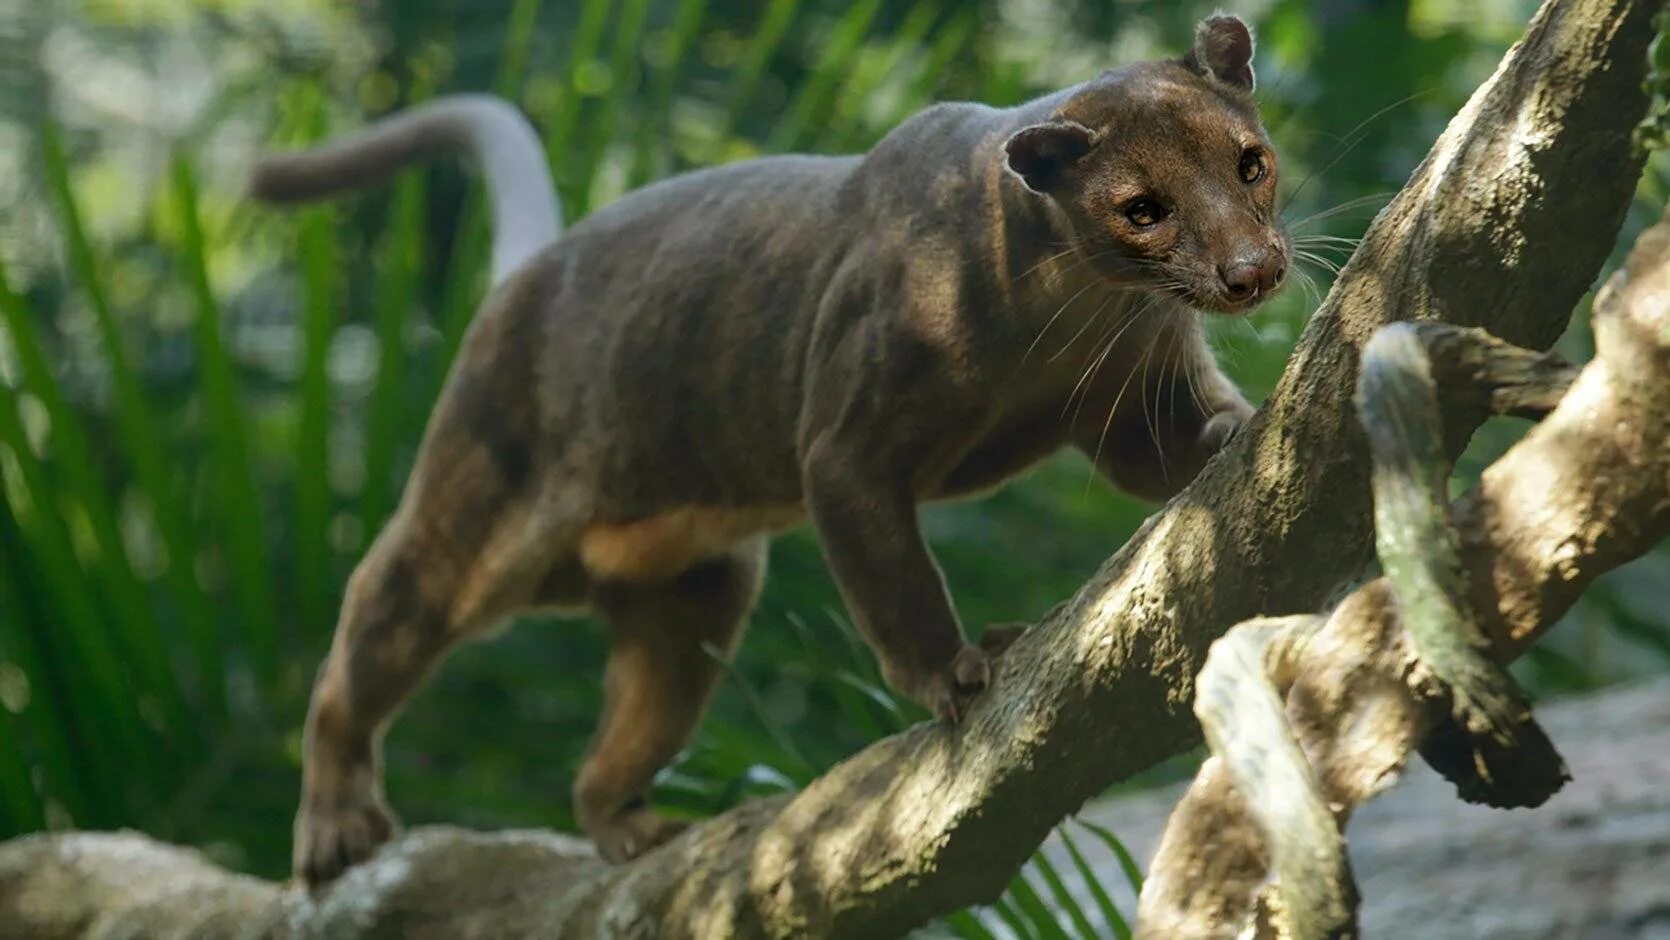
469,545
408,602
659,678
388,635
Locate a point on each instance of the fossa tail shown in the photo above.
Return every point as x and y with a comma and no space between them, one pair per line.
487,129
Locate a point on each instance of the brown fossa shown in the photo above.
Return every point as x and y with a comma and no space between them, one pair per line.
643,399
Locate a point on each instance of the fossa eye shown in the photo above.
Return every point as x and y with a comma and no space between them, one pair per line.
1252,165
1144,213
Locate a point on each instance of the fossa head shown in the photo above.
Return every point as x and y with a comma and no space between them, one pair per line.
1166,176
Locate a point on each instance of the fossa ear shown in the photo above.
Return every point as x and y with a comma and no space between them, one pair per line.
1042,153
1223,51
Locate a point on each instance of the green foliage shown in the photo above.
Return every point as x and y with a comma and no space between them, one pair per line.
1654,130
1117,925
207,409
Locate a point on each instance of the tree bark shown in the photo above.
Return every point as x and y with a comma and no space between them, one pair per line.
1503,226
1332,708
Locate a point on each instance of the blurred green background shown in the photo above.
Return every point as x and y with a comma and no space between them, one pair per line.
207,408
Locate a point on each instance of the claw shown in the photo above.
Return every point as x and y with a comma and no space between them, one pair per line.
331,841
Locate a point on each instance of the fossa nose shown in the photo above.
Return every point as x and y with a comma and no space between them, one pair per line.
1252,274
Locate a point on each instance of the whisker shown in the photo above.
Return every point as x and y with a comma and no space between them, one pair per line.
1051,322
1345,206
1088,377
1318,260
1176,368
1292,197
1150,420
1069,250
1084,260
1311,288
1329,242
1312,255
1345,249
1096,457
1326,246
1226,348
1190,375
1088,322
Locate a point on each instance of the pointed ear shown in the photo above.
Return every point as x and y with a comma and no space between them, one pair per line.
1041,153
1223,50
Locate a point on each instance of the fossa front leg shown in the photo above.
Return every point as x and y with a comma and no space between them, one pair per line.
865,515
1152,441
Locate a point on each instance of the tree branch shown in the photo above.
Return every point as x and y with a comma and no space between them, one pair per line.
1241,696
1419,650
1503,226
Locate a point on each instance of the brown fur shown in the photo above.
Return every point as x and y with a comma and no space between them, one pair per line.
665,544
720,355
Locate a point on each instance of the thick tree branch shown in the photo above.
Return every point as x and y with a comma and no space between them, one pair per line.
1241,696
1450,661
1418,651
1503,226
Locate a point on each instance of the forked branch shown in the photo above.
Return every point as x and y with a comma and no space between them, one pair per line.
1327,710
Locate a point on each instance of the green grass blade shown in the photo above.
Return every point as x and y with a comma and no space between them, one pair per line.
1627,623
1133,871
806,769
397,299
20,808
630,17
853,705
865,676
811,103
1043,920
1104,903
143,640
464,277
320,255
560,135
951,42
888,704
733,756
751,67
967,926
401,259
859,655
51,727
80,648
1006,910
1064,900
844,128
140,434
654,155
241,511
513,57
22,805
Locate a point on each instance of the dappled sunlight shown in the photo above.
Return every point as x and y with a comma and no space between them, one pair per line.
208,411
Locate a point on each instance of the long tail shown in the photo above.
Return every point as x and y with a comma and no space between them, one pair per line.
490,130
